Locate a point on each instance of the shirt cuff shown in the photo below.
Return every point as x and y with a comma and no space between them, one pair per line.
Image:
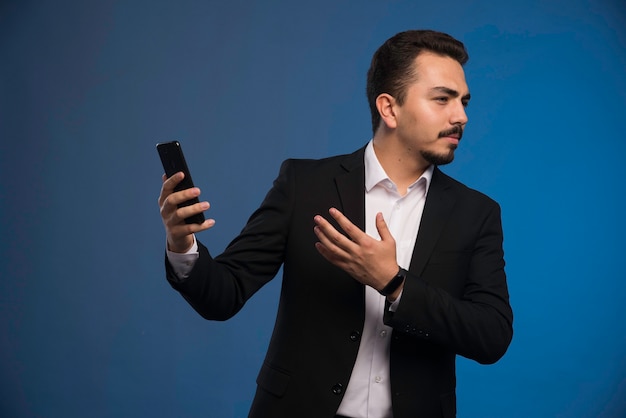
182,263
394,305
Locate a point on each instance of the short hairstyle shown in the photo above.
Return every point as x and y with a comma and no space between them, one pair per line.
392,69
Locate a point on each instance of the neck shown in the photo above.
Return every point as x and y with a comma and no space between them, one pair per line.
402,165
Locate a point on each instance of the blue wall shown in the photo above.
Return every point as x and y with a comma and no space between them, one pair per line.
88,324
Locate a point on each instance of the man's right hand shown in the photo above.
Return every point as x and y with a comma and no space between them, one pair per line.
180,234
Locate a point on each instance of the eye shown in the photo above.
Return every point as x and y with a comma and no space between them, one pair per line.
442,99
465,103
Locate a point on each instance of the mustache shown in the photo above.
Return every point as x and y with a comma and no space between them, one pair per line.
456,129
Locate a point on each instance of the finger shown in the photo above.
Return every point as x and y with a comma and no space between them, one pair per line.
170,182
177,236
187,211
329,246
169,203
167,188
188,229
383,230
353,231
173,215
182,196
329,236
333,254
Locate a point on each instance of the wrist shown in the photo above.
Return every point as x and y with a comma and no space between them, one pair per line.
181,246
394,286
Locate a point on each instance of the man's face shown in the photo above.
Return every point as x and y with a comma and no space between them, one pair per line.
430,123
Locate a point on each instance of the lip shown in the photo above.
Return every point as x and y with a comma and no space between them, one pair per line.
452,139
453,135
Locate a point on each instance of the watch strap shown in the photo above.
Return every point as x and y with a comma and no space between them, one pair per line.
395,283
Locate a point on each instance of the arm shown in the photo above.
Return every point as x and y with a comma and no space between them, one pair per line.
474,320
217,288
462,307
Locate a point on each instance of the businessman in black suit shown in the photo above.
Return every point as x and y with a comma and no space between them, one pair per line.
391,268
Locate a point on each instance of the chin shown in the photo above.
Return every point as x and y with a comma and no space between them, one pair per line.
438,158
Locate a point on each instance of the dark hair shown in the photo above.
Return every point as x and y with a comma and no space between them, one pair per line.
392,69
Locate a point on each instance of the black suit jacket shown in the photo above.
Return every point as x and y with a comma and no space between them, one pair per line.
455,299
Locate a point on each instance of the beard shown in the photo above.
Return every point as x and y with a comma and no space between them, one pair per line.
438,159
443,158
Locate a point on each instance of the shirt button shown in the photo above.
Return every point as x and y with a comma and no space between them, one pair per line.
383,334
378,379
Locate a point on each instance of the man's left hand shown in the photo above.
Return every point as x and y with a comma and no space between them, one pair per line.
370,261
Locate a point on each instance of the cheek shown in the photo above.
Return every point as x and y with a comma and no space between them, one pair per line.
430,118
422,125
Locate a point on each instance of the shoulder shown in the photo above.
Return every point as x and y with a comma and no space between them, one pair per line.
462,191
328,165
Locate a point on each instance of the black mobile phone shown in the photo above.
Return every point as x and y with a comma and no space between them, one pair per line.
173,161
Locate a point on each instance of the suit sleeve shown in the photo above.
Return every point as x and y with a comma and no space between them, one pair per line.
474,320
217,288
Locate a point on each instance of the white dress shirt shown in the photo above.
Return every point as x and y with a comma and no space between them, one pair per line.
368,394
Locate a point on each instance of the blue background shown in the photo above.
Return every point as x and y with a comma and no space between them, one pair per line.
88,324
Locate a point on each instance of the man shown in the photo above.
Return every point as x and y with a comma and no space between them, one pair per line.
391,268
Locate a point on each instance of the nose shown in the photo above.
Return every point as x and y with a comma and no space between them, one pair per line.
458,115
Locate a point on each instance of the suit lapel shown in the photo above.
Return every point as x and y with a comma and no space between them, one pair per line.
437,209
351,188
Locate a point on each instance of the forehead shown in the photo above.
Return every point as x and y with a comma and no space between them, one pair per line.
434,70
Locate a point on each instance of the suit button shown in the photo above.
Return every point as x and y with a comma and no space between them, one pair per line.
338,389
355,336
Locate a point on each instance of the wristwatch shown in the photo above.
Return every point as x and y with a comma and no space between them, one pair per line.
395,283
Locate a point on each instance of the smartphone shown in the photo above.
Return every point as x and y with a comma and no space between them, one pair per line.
173,161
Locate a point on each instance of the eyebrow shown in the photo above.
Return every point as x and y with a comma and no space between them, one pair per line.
450,92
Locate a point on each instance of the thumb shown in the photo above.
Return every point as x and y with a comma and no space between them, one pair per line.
383,230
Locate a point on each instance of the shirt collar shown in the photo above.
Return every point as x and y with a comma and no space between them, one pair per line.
375,173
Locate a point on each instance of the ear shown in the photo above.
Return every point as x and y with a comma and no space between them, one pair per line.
385,103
